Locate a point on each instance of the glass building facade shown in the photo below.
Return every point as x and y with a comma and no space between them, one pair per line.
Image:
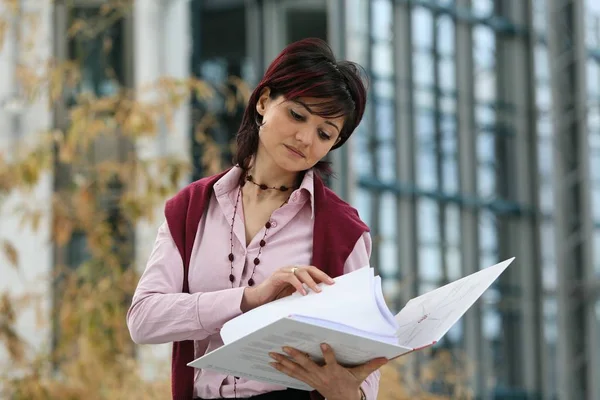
481,142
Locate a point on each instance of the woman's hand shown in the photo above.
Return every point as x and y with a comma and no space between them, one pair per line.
331,379
284,282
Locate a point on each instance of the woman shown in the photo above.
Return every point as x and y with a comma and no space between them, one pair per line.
260,231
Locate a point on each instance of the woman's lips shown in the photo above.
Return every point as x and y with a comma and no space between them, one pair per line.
292,150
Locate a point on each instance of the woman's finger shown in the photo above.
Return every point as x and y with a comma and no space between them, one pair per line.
328,354
361,372
304,276
319,275
301,358
292,279
289,367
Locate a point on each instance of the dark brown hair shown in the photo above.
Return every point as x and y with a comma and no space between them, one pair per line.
306,68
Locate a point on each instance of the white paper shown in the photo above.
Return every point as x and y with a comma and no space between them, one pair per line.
355,300
350,301
389,338
425,319
249,356
382,305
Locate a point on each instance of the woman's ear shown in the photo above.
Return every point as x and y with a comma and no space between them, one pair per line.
339,138
261,104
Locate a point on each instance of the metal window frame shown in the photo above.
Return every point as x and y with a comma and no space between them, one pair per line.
577,354
522,209
520,236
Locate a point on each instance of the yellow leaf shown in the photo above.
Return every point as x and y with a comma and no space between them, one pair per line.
30,171
77,26
63,230
66,154
106,8
11,253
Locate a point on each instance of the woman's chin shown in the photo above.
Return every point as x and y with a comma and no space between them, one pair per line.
299,167
293,166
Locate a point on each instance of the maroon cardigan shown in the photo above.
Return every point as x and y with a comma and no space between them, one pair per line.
337,228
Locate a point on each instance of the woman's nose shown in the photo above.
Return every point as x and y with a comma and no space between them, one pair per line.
304,136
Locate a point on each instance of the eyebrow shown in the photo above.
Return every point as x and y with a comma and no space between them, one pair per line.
308,109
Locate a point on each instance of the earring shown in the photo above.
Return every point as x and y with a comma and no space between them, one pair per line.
258,122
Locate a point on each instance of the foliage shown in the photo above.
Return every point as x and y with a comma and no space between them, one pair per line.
104,187
414,376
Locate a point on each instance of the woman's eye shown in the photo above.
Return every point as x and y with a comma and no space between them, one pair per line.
296,116
324,135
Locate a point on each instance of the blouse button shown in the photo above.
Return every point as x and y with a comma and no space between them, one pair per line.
273,224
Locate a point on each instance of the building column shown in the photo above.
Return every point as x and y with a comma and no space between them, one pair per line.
467,164
519,236
161,39
255,34
576,351
405,153
337,31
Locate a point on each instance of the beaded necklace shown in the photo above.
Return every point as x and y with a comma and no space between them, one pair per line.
262,243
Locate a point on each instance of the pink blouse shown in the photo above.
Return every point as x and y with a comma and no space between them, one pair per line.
161,313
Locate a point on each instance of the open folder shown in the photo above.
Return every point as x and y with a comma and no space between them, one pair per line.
351,316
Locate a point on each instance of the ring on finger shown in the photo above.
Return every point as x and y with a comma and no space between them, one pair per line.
294,269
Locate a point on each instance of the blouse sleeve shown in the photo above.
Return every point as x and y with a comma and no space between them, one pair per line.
161,313
359,258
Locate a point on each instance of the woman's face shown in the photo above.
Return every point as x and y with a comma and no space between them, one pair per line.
291,136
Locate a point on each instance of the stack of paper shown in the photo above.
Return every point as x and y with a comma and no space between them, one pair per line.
351,316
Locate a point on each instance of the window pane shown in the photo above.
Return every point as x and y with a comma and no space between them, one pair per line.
215,61
388,261
100,56
597,251
487,232
486,148
386,161
484,60
550,310
445,32
424,98
539,15
596,203
425,158
428,221
450,174
486,181
454,263
423,69
387,216
430,265
422,26
362,202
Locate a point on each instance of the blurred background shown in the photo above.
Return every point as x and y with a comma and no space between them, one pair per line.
481,141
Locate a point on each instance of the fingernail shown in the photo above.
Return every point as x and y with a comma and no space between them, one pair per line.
324,347
331,280
273,355
286,349
273,364
317,289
